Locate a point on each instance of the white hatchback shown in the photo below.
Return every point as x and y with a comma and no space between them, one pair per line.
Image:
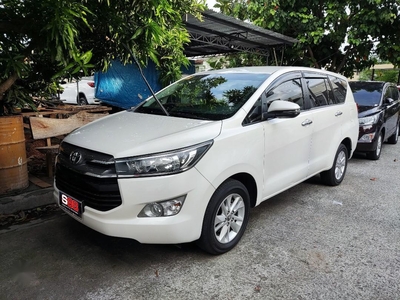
188,164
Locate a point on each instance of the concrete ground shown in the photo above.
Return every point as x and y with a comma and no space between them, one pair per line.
30,198
310,242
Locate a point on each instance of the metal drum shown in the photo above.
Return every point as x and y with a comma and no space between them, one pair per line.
13,163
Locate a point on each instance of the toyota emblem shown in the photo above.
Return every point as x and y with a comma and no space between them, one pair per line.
75,157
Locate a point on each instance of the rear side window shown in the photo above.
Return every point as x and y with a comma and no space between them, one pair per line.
339,87
319,91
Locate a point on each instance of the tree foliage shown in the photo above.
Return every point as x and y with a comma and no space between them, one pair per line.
339,35
41,40
388,75
153,29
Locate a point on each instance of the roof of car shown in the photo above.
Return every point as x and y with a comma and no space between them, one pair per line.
367,84
269,70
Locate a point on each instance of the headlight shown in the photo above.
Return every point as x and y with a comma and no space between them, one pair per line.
368,120
161,163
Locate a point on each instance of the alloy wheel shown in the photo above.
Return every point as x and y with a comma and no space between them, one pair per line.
229,218
379,146
340,166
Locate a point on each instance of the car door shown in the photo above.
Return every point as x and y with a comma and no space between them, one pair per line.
391,108
327,117
69,92
286,140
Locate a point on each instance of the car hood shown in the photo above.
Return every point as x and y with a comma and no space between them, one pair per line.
364,111
129,134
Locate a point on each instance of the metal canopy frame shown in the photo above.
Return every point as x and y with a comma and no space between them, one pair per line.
221,34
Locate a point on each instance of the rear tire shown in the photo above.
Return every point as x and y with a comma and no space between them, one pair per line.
82,100
335,175
375,155
226,218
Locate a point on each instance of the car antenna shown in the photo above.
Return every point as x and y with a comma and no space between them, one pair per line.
145,80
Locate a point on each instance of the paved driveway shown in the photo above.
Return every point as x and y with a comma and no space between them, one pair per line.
311,242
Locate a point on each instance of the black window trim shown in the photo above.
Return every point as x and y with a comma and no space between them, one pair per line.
303,75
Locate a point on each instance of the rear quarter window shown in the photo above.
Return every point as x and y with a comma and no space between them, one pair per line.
339,88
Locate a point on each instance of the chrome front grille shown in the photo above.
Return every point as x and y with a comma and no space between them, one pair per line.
88,176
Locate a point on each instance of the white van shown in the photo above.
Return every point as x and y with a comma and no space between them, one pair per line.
188,165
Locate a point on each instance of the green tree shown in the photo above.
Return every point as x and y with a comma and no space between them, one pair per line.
379,75
43,39
339,35
237,60
153,29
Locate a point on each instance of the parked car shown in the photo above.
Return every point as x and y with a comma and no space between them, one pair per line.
81,92
378,113
188,165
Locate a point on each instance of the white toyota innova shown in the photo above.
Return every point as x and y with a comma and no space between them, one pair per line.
188,164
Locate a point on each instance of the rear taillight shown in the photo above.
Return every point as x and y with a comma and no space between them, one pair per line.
91,84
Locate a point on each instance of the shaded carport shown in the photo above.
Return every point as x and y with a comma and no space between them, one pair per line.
221,34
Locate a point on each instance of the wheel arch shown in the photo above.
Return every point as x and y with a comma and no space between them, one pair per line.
81,94
383,130
249,182
347,143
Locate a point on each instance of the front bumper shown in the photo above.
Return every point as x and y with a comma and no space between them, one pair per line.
122,221
363,146
366,147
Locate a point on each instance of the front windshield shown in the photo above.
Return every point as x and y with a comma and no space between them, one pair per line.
367,93
206,96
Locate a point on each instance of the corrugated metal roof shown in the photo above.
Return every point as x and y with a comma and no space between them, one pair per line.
219,34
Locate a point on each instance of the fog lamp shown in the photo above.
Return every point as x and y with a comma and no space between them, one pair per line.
163,208
367,138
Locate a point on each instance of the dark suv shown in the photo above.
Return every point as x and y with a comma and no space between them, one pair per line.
378,115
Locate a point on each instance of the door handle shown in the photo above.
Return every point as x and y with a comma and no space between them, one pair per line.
306,122
338,113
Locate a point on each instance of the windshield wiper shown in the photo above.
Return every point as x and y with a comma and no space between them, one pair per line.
145,80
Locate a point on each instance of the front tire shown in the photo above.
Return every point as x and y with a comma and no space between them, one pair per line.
226,218
375,155
335,175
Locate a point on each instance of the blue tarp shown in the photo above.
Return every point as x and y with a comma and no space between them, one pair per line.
123,86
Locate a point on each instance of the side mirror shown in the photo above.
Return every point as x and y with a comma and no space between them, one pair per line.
388,101
281,109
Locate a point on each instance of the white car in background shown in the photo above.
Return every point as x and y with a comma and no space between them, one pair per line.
80,92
